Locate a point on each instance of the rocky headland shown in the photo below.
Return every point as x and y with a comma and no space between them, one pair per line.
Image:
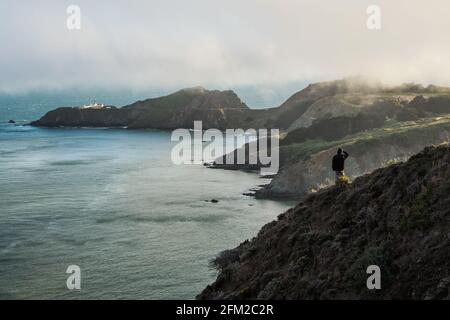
377,124
396,218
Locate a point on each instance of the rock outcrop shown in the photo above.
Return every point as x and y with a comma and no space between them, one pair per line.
397,218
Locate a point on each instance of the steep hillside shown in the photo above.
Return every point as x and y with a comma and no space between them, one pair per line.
216,109
397,218
346,97
225,110
305,158
355,95
306,166
303,101
348,105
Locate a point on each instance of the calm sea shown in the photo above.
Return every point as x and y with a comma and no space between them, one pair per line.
111,202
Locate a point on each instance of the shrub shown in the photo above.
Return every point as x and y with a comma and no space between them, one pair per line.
344,180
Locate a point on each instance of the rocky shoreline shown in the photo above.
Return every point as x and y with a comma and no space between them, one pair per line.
396,218
377,124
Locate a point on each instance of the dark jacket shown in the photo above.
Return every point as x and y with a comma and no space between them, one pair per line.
339,160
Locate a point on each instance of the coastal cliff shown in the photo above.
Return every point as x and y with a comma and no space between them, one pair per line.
396,218
216,109
306,167
376,128
377,124
78,117
347,98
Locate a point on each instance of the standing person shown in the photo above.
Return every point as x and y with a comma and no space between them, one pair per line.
339,163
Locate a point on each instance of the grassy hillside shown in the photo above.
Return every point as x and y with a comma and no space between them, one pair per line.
306,166
396,218
398,130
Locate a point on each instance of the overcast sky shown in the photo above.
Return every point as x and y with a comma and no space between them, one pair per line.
180,43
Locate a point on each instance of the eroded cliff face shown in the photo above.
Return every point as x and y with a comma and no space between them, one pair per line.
397,218
312,172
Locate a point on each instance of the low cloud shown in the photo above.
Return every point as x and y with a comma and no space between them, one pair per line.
177,43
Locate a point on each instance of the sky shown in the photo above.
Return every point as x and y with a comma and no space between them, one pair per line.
260,44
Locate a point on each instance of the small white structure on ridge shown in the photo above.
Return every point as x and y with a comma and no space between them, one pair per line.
94,105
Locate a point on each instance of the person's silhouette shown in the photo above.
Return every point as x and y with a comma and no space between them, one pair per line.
339,163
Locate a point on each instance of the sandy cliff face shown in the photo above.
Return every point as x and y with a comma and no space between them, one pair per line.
397,218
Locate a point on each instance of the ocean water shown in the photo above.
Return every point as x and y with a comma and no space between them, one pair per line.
111,202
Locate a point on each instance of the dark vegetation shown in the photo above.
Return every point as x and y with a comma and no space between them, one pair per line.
397,218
